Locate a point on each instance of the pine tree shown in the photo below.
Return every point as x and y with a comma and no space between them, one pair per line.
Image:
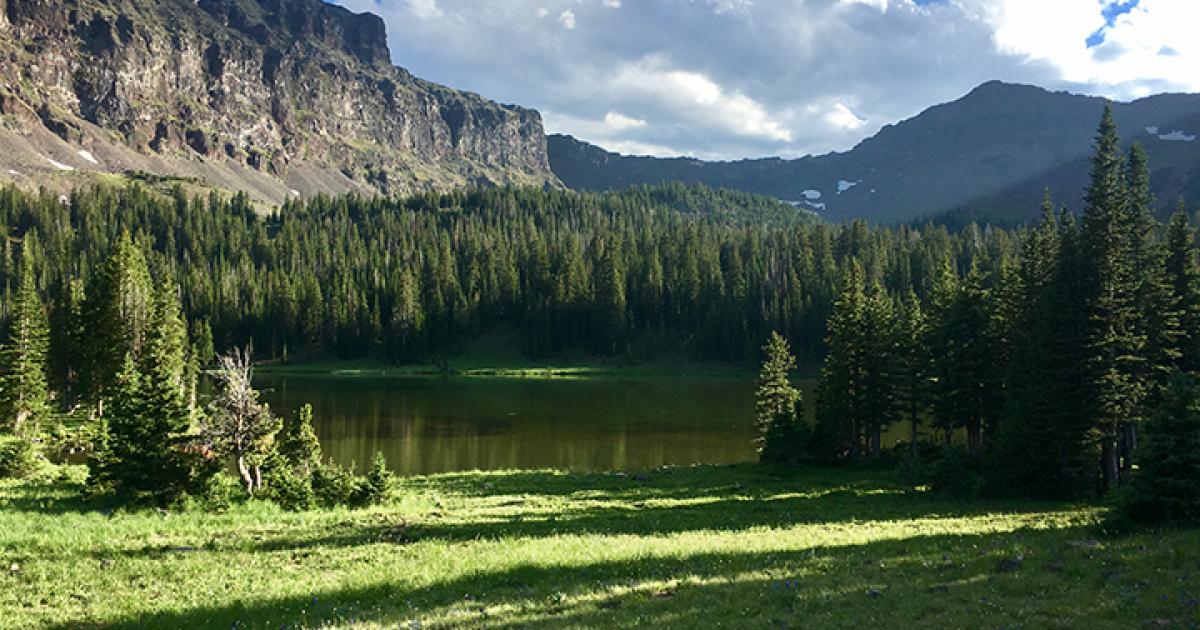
841,416
611,322
298,443
879,356
1116,343
1183,280
911,365
1165,488
23,389
118,312
777,403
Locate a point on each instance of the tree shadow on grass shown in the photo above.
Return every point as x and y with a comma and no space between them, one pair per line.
774,507
696,590
52,498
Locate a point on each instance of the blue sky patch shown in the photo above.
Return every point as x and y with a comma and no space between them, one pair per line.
1110,11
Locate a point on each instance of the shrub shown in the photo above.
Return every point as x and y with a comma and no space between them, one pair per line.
1166,486
292,491
19,458
956,473
220,492
334,484
375,487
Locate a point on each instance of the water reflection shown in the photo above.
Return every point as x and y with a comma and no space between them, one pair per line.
427,425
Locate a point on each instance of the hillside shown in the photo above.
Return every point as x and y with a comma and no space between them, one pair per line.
987,155
277,98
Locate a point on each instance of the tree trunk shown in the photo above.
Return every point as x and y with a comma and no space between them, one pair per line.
1128,446
876,438
912,441
1109,463
973,439
244,471
257,478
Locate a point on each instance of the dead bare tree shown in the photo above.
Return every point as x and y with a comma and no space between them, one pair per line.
237,424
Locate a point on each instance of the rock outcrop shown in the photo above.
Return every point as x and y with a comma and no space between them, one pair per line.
275,97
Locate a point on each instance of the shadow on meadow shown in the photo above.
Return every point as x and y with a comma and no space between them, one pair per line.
933,573
693,499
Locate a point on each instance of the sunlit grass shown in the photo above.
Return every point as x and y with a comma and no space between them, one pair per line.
684,547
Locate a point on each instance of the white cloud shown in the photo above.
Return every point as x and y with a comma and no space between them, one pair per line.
696,97
1152,43
843,117
424,9
567,19
620,122
737,78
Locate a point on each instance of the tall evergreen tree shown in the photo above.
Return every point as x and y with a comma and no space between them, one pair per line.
911,365
23,390
1183,280
841,416
1116,342
120,310
777,403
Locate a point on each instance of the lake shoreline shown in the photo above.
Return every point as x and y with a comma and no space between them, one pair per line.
540,371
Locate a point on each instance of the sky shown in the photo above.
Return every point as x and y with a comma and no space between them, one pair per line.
732,79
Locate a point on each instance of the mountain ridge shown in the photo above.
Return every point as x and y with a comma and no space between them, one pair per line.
274,97
986,155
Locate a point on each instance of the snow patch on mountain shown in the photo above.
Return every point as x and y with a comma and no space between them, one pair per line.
1177,136
59,165
844,184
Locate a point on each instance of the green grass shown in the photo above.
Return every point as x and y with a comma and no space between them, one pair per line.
737,547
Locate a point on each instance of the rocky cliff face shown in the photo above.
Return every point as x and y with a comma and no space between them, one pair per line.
278,97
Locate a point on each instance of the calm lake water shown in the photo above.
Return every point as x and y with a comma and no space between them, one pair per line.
427,425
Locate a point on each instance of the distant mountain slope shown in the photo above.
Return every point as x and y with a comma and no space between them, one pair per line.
987,155
275,97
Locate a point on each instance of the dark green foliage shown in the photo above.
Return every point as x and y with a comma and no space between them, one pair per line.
297,442
1166,484
956,472
335,484
1183,280
776,404
288,487
19,458
419,278
23,390
219,492
376,486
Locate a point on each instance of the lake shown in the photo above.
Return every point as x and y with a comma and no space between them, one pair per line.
430,424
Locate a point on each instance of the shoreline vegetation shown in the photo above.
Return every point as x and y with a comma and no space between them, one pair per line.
514,369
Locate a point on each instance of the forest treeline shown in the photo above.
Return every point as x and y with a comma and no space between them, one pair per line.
690,271
1059,369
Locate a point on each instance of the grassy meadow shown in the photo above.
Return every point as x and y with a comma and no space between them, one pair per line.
739,547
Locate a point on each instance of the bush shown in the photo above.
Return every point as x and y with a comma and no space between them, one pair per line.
334,484
293,492
377,485
956,473
19,458
1165,488
220,492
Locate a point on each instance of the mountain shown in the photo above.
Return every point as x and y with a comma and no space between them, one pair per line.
987,156
274,97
